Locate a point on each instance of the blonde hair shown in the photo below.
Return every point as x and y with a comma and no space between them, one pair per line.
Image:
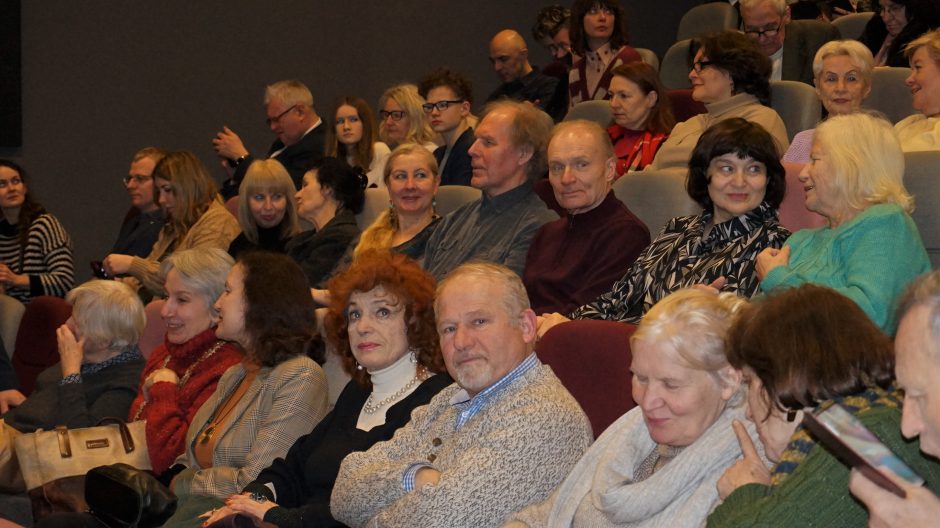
407,97
381,232
857,52
929,40
267,176
866,158
154,153
193,190
108,313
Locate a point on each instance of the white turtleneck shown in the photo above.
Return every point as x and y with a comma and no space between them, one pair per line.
385,383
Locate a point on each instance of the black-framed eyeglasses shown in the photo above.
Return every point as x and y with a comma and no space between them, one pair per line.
698,66
758,33
272,120
396,115
140,180
440,105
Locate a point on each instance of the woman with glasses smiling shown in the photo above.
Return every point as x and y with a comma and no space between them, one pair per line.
402,120
599,37
900,22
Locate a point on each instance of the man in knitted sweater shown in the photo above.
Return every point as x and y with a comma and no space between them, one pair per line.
500,438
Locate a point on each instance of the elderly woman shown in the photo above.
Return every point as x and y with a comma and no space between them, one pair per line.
35,250
731,76
381,320
922,131
900,22
842,73
354,139
735,175
803,350
196,218
598,30
182,373
331,196
658,464
871,248
402,120
267,212
642,115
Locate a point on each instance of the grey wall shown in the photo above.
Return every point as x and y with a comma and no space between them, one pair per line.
102,79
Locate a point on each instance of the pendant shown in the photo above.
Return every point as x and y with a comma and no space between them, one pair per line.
207,434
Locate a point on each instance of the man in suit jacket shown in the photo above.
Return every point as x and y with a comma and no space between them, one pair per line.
791,45
301,135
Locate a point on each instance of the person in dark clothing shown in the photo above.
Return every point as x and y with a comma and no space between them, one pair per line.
267,212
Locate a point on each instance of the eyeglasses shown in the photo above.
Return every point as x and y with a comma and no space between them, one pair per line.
698,66
396,115
758,33
271,120
16,180
139,180
559,48
440,105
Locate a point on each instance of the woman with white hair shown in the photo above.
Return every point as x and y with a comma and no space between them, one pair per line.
658,465
871,248
267,211
842,75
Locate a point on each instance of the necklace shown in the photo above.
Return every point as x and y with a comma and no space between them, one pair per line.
186,375
372,408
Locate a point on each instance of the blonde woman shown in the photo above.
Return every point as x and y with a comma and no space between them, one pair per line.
267,211
402,120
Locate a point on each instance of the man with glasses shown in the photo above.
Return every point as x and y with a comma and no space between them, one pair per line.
448,96
791,45
510,58
300,137
143,222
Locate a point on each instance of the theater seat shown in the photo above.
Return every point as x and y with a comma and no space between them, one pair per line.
451,197
592,360
797,104
707,18
649,57
376,202
920,179
793,212
655,197
889,95
154,330
852,25
11,313
675,66
232,206
36,346
597,111
683,106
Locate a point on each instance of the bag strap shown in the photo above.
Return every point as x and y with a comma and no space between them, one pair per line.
126,438
65,448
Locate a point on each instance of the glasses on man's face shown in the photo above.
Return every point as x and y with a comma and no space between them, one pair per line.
765,32
440,105
271,120
14,181
700,65
396,115
139,180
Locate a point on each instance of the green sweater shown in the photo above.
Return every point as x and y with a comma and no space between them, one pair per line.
869,259
817,492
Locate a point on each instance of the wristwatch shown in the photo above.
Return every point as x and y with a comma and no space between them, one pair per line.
257,497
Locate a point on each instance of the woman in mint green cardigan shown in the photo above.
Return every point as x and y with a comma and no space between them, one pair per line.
871,249
804,349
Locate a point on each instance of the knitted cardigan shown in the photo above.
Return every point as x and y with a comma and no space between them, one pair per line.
47,258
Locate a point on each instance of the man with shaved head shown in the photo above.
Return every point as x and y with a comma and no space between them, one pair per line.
521,82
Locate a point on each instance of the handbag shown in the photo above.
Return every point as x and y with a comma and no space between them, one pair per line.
122,496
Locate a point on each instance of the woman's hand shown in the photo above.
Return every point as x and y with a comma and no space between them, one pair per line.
71,351
749,470
12,280
163,374
9,399
919,508
321,297
771,258
245,505
546,322
216,515
116,264
715,286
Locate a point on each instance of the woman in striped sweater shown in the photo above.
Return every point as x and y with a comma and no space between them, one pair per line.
35,250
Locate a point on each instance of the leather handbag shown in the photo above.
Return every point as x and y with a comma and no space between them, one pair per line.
122,496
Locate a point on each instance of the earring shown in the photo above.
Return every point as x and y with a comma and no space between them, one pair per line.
414,358
390,206
433,203
358,366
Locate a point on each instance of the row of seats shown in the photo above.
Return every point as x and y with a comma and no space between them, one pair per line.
718,16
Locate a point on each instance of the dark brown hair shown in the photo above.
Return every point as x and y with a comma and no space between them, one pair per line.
29,211
579,40
661,119
810,344
403,279
449,78
738,56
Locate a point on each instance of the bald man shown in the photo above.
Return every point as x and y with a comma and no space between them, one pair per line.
521,82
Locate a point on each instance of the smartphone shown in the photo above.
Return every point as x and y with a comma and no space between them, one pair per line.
97,268
845,435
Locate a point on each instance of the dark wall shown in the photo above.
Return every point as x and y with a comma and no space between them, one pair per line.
102,79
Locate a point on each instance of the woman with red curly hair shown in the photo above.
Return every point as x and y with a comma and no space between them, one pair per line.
380,321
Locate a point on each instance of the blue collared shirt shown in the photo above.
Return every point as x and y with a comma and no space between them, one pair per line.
130,354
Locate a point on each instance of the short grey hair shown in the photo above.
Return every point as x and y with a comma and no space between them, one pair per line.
780,6
513,299
108,313
925,291
857,52
202,269
289,92
601,137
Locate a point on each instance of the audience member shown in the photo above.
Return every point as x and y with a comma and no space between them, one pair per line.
381,322
871,248
842,72
790,44
331,196
922,131
196,218
504,435
183,372
734,174
803,350
354,139
900,22
301,136
552,31
267,211
730,75
642,115
576,258
143,222
508,154
449,97
509,56
659,463
402,118
35,249
599,37
917,368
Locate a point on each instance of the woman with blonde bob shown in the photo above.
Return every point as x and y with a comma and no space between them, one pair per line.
871,248
267,212
658,465
921,131
402,120
196,217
